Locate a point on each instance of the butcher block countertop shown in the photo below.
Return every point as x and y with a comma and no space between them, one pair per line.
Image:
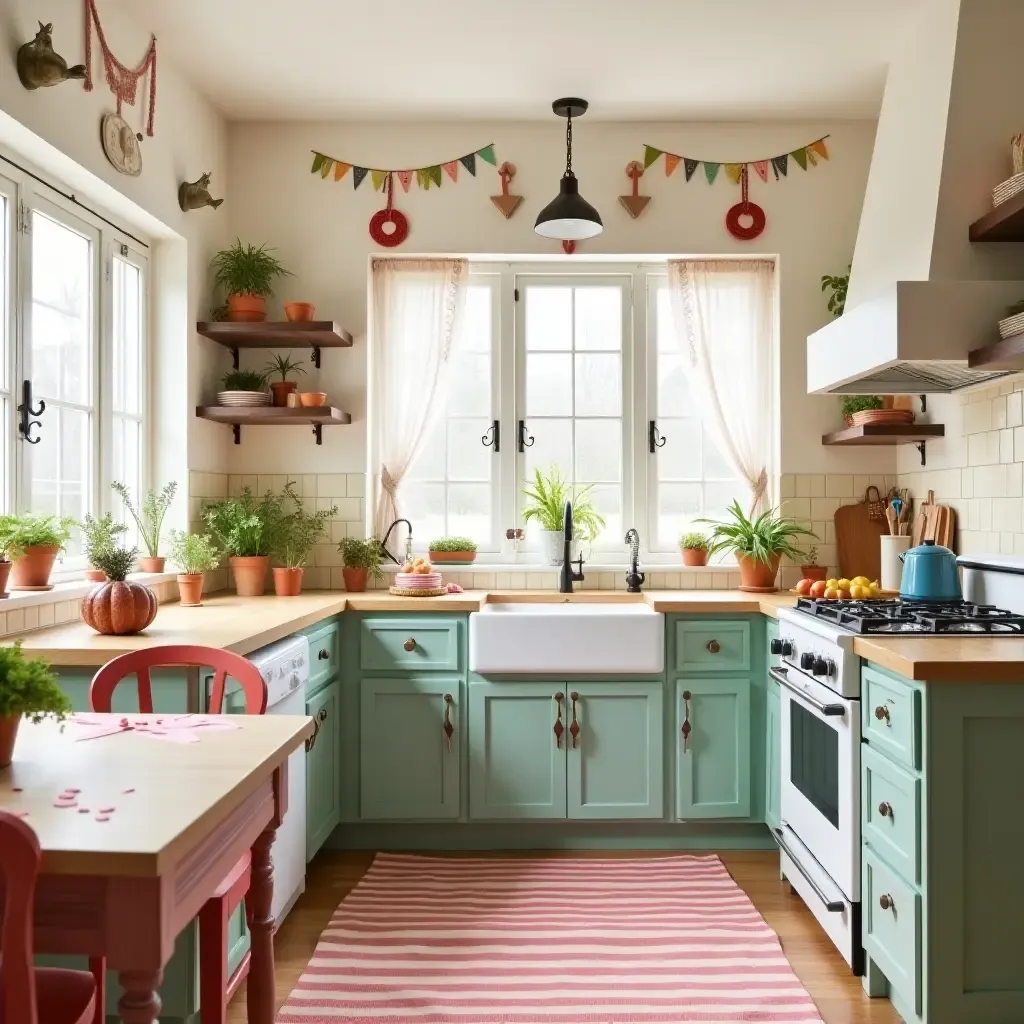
947,659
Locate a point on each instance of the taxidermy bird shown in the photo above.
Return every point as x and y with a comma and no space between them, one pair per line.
194,195
39,66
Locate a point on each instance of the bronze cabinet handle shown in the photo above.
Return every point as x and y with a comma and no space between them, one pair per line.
687,728
559,728
885,809
574,728
714,646
882,714
410,644
323,654
886,903
449,729
311,742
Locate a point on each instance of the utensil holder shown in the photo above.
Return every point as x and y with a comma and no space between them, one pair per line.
892,567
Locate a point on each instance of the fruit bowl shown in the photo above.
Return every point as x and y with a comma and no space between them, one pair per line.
860,588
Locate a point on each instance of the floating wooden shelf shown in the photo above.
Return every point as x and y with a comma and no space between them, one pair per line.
900,433
269,415
317,334
1003,224
1006,354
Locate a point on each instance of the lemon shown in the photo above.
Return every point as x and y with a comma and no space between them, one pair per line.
832,584
859,593
860,581
844,584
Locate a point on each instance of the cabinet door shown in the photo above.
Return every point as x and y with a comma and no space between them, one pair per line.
773,756
323,770
713,761
615,767
409,767
516,757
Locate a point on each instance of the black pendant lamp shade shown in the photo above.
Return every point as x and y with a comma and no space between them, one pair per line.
569,216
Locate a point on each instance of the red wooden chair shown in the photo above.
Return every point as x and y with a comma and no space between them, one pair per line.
215,987
31,995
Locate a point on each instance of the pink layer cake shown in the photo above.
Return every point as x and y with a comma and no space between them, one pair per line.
418,581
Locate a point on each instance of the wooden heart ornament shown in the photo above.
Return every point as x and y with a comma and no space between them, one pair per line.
506,203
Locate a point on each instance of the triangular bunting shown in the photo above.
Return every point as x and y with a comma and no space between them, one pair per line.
421,177
434,173
735,171
690,167
780,164
820,148
341,169
358,173
452,169
671,163
812,158
800,156
761,166
318,162
487,153
405,178
469,162
650,155
711,170
326,169
377,179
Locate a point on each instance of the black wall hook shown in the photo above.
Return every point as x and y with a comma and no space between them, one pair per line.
26,423
655,438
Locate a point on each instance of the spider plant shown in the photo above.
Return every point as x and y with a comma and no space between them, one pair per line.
763,539
247,270
283,365
545,503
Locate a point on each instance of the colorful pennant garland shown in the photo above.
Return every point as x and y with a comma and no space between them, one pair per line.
805,156
426,177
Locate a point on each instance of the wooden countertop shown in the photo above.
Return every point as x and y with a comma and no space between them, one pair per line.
947,659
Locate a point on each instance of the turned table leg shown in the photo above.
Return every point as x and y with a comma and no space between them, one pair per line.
139,1002
260,994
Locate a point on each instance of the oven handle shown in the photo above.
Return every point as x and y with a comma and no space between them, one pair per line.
832,906
828,710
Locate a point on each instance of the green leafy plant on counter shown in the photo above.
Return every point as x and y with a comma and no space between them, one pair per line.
100,534
116,562
838,285
693,542
31,530
247,270
283,365
860,403
28,687
149,517
244,526
810,557
452,544
546,498
362,553
758,539
193,553
298,531
244,380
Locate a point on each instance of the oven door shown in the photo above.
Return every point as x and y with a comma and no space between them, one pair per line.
820,775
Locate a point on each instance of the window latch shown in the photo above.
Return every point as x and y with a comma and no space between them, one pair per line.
655,439
26,423
525,439
492,439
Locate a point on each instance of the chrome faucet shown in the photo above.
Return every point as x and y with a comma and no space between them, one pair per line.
408,542
568,575
634,578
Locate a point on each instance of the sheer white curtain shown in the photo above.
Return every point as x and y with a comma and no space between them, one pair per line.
417,306
724,317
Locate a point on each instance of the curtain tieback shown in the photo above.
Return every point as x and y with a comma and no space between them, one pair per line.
758,486
387,481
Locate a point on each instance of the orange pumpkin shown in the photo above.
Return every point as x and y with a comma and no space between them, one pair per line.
119,607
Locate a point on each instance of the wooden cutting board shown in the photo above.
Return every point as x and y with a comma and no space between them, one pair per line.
934,522
860,552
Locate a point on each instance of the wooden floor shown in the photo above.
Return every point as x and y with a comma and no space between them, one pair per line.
836,992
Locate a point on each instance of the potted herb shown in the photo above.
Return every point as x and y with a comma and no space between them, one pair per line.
695,549
854,404
118,606
247,273
453,550
33,541
545,503
283,388
193,554
243,388
813,571
244,527
295,536
837,284
99,534
758,544
360,560
149,518
27,689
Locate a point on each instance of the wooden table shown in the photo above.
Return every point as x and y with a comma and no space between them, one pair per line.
124,888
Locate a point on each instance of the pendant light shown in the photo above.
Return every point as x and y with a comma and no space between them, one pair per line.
569,216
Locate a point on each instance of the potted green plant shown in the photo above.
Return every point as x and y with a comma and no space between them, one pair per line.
247,273
854,404
811,570
453,550
243,388
118,606
244,527
34,541
758,544
149,518
545,504
695,549
193,554
99,535
295,536
361,560
27,689
282,388
837,284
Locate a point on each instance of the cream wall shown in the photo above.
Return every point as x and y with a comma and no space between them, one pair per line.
319,229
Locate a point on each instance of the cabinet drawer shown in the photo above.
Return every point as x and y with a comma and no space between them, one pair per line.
891,798
423,644
713,646
892,928
891,717
324,656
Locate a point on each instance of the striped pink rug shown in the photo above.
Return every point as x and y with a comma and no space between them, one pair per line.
433,940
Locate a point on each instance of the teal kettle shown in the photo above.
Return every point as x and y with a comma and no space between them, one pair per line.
930,574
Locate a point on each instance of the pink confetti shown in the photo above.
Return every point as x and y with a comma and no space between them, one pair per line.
62,804
83,810
107,810
130,789
70,789
103,817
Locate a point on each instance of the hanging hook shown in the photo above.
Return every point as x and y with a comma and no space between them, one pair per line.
26,423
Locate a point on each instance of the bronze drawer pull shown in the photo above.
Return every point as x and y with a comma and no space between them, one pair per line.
449,729
886,903
324,654
559,729
410,644
882,714
714,646
885,809
687,728
318,720
574,727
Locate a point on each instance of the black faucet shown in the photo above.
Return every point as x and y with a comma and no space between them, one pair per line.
568,575
634,578
408,542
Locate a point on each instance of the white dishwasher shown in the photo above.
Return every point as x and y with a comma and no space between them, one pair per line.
284,667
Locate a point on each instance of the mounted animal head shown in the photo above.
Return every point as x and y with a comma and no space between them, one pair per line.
45,35
204,180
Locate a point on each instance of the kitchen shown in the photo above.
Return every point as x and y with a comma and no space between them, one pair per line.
812,230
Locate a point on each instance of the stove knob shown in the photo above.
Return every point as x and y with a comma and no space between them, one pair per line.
831,667
776,646
820,667
807,661
787,648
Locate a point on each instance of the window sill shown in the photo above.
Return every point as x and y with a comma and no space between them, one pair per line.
595,566
71,590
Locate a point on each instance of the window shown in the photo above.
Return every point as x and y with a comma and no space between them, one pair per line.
74,336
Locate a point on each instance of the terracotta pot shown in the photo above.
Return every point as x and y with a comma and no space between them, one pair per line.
190,589
119,607
695,556
8,737
287,582
355,579
152,563
95,575
758,575
301,312
282,389
247,308
250,574
461,557
814,572
310,399
32,570
5,571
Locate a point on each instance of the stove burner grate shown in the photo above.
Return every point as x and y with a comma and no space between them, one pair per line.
920,617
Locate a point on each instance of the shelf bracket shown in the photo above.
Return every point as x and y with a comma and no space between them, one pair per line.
921,448
318,432
234,358
924,403
236,429
316,360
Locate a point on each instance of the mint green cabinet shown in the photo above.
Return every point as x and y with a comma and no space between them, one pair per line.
323,775
615,766
409,766
516,760
773,756
713,760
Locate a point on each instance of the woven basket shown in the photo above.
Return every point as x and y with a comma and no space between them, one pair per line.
434,592
875,417
1011,326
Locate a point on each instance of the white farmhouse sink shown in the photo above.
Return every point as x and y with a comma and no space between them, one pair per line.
571,638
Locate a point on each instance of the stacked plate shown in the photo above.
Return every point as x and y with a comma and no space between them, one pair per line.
1011,326
1007,189
240,399
417,581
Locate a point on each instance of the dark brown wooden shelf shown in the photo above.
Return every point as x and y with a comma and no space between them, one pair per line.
317,334
1003,224
1000,355
269,415
887,433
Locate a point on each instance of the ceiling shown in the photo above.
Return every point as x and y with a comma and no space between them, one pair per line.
484,59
